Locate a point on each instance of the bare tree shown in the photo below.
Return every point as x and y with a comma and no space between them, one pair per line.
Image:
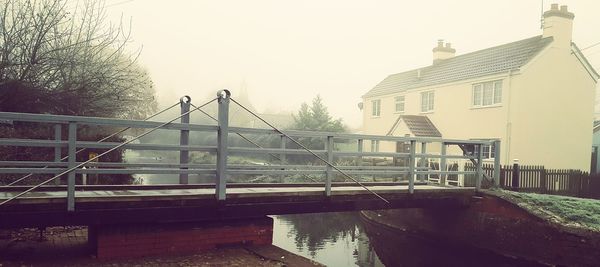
62,57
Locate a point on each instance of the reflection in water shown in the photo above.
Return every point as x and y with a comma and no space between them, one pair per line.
334,239
344,239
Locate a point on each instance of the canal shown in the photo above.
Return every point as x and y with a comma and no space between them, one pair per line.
346,239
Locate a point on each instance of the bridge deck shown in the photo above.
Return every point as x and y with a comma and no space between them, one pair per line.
133,195
135,205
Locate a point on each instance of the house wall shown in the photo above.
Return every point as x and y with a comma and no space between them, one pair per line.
551,115
453,114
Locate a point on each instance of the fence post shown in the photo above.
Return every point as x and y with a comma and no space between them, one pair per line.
443,167
57,149
516,174
479,167
423,161
411,167
497,165
222,136
329,147
543,180
184,138
72,163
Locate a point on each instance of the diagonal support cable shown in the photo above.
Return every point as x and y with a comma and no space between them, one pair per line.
103,153
99,141
252,142
311,152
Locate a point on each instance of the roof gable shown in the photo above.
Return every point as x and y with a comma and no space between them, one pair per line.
419,126
480,63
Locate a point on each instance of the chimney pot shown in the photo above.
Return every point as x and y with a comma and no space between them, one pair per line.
441,52
558,23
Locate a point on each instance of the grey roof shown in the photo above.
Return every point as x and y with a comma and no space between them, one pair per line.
480,63
418,126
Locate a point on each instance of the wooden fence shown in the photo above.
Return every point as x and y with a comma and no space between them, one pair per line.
537,179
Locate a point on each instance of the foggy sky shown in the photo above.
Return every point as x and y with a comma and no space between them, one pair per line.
287,52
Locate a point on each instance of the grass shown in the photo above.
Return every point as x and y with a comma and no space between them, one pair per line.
566,210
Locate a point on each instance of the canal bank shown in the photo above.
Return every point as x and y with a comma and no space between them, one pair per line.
68,246
504,223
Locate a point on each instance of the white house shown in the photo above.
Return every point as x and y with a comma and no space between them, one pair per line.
536,95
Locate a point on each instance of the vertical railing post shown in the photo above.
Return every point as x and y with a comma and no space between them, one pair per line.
359,159
443,167
329,147
479,167
423,161
497,165
72,163
184,138
57,149
222,136
411,167
282,158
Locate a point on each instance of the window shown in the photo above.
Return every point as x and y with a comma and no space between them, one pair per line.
399,103
487,94
427,101
374,145
489,151
376,109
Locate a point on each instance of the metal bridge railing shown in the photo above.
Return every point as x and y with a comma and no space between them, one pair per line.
414,158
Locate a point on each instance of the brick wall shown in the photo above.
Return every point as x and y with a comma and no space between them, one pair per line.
123,241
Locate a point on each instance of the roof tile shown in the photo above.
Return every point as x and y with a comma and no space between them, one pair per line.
480,63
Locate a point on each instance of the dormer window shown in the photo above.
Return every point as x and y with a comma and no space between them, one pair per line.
487,93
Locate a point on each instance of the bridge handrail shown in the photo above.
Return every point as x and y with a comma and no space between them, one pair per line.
101,121
184,167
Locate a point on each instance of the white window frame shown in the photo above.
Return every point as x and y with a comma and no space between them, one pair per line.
427,101
487,94
489,151
399,100
376,108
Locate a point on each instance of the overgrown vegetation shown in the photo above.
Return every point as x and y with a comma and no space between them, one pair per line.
566,210
63,57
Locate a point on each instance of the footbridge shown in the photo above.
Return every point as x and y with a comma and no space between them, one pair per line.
221,171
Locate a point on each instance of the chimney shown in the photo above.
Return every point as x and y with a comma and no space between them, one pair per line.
441,52
558,23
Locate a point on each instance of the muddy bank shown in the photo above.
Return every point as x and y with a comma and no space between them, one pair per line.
495,223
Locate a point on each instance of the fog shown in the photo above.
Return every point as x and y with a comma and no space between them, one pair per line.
284,53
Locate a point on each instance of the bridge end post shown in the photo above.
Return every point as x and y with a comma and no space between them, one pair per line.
411,167
222,136
329,177
184,138
479,167
497,165
423,162
443,161
72,163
